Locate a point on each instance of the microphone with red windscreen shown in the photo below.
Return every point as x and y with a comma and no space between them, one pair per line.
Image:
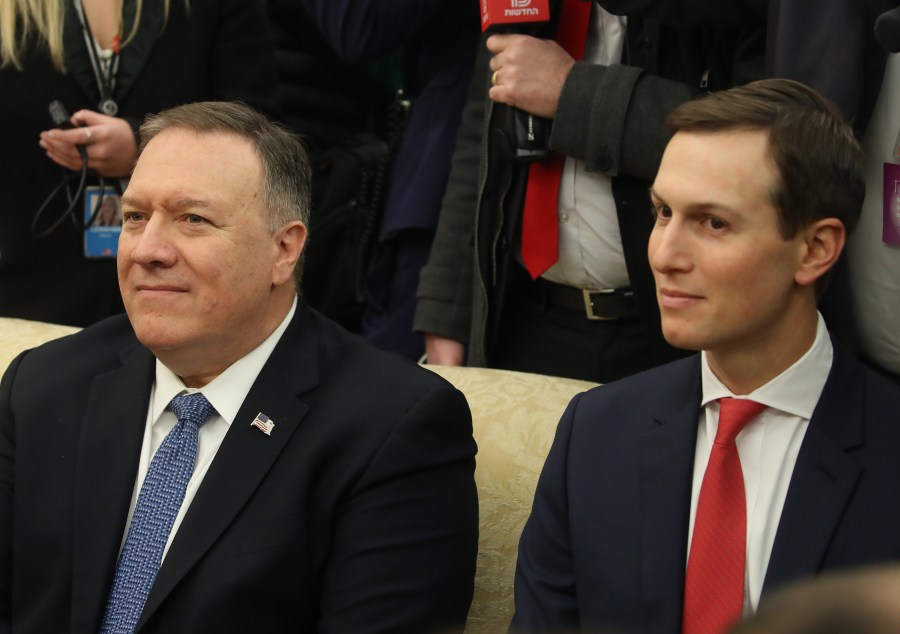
524,137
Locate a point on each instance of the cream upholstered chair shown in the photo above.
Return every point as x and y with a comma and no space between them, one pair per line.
17,335
514,415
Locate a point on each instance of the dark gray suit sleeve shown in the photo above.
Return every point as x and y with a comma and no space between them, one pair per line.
444,296
612,118
404,545
545,590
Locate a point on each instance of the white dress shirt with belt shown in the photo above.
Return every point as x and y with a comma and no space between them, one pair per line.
590,244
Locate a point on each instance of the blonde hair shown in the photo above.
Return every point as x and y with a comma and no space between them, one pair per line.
44,20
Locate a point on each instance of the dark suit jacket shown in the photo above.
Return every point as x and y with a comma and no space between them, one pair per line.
358,513
606,542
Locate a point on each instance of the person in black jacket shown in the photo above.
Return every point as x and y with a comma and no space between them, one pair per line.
337,61
219,49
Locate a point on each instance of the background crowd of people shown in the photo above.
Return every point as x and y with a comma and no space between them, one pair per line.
417,206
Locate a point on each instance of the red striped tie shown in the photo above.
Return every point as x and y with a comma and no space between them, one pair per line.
714,585
540,232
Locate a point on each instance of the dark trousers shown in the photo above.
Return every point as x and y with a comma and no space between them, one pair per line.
537,336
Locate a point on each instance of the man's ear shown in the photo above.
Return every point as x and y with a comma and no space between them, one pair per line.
289,240
823,242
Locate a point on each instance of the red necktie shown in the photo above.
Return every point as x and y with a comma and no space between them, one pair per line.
540,232
714,584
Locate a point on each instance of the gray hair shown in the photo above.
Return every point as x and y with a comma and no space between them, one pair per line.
286,167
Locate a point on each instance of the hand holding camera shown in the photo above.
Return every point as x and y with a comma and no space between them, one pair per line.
109,143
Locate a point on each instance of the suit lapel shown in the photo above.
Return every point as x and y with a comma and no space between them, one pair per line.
78,62
667,466
245,456
140,47
823,478
108,452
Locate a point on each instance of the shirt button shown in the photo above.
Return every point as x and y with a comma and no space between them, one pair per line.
564,217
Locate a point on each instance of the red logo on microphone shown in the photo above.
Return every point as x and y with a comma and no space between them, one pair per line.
521,7
501,12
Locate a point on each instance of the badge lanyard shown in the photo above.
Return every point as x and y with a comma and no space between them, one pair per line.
105,67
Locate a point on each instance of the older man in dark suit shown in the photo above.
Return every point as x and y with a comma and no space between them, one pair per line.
225,459
677,499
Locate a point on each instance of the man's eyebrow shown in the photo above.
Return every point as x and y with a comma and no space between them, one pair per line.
178,205
128,201
699,206
189,203
653,195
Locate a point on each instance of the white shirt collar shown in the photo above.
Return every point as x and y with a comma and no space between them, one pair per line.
227,391
795,391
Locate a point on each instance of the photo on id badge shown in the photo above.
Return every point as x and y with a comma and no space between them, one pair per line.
103,219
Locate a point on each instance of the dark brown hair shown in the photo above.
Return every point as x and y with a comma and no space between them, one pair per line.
818,157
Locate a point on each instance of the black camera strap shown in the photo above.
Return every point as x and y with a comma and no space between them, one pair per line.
105,65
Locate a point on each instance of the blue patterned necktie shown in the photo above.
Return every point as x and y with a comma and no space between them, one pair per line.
157,505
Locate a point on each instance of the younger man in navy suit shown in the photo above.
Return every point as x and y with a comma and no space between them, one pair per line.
647,520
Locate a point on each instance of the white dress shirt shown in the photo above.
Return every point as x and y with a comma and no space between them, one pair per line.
226,393
768,448
590,244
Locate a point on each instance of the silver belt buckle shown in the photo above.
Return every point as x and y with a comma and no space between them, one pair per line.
589,304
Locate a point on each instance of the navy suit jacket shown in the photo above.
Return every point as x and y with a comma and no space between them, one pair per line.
606,543
358,513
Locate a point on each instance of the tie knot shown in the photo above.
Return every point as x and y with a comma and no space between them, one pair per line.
734,414
192,408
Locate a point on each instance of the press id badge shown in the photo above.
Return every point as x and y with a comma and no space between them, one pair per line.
103,222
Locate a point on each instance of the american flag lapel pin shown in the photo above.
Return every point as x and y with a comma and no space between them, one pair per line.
263,423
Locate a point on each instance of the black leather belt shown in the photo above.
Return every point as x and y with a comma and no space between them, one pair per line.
596,304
